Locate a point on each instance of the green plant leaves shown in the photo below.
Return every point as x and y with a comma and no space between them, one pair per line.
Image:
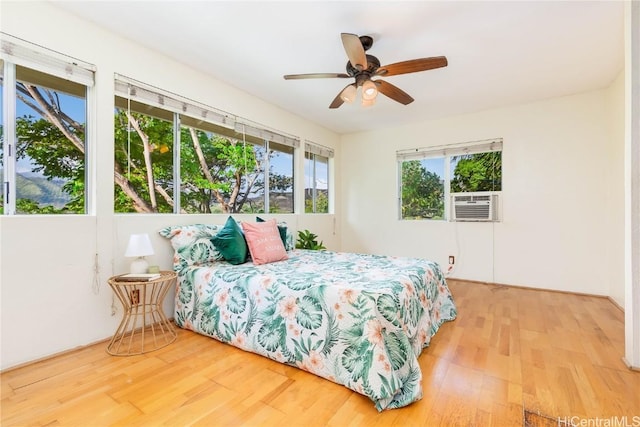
308,240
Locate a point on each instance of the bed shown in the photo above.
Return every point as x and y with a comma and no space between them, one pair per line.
355,319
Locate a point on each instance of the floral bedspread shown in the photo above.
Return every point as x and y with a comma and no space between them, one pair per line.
358,320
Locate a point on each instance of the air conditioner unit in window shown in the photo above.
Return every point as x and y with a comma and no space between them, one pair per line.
479,206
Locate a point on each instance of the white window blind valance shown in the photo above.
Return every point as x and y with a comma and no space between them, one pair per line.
137,91
461,149
128,88
29,55
264,134
313,148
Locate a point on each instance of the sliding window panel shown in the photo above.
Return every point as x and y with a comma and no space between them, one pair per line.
50,154
221,170
476,172
210,163
253,183
316,191
143,158
422,188
280,178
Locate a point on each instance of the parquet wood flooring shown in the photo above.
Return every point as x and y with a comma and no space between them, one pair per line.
556,355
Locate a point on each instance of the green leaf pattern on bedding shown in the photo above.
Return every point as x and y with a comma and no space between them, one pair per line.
358,320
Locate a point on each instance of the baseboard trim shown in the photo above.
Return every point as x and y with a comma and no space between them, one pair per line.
531,288
629,365
54,355
104,341
614,302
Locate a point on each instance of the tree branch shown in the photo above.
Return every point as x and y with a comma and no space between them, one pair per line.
52,116
139,204
170,201
205,169
147,159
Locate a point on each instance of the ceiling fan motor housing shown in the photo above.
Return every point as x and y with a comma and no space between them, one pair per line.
366,41
372,65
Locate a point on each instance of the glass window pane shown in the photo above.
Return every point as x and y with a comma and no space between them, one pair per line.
215,173
143,162
423,189
199,183
476,172
253,184
50,152
322,184
280,178
316,192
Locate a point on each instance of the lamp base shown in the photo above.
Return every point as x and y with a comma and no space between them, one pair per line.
139,266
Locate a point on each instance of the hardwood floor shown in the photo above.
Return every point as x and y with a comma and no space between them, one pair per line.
510,349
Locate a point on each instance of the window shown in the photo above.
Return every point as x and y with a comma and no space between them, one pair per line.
44,130
423,189
143,164
219,164
316,171
428,177
206,158
280,178
223,171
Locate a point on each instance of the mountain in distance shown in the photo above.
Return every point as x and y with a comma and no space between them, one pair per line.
41,190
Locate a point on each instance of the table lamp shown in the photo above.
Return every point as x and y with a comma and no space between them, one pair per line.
139,246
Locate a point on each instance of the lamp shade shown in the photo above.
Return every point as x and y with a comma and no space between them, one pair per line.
348,94
369,90
139,245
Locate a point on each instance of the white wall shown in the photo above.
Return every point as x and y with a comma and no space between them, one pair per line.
556,228
632,185
615,192
51,300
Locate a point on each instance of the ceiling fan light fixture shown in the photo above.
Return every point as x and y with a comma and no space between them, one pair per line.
369,90
348,94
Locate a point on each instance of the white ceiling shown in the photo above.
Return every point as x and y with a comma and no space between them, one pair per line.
499,53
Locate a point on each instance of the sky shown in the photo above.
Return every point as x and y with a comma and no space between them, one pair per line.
435,165
74,106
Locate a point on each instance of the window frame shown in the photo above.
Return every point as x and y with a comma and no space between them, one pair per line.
315,151
16,53
446,153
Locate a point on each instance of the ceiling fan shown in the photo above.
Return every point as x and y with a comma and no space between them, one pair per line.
363,67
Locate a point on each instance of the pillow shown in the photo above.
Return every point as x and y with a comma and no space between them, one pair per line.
192,243
265,244
282,229
230,242
285,234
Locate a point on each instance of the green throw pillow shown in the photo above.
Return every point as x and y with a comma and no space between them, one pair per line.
231,243
282,229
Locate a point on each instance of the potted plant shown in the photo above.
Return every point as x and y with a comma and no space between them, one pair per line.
308,240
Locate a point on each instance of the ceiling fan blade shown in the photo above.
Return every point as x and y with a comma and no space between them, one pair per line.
412,66
316,76
393,92
355,51
337,101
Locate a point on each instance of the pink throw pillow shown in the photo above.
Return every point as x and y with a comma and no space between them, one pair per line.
265,244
